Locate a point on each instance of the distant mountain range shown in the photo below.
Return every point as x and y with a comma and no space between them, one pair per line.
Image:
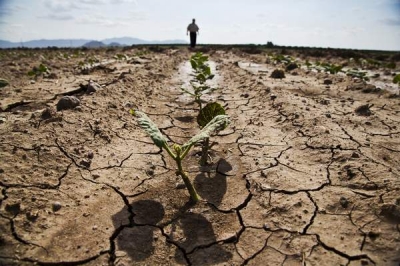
122,41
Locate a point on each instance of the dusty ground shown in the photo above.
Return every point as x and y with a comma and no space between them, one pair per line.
298,178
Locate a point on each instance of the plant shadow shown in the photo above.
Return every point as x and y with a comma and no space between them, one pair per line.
213,186
137,240
189,230
198,232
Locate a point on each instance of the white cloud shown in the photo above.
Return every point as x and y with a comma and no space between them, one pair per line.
57,17
102,21
60,5
10,10
136,15
123,1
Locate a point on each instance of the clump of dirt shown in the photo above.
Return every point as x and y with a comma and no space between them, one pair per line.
364,110
278,74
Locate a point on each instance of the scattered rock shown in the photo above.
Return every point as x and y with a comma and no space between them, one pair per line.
278,74
364,110
180,185
344,202
92,87
273,97
90,155
56,206
291,66
68,102
14,209
32,216
47,113
85,163
391,212
52,76
328,82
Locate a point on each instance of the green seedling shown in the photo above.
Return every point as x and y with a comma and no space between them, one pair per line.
206,115
285,59
396,79
3,83
179,152
329,68
37,71
201,73
121,57
357,74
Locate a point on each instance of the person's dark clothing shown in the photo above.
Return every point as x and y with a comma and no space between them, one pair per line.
193,37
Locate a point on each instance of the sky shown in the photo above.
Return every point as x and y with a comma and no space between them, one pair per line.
355,24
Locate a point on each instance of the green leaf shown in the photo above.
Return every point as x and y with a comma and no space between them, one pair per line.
3,83
207,70
150,128
193,63
201,78
396,79
186,91
42,68
217,124
209,111
31,73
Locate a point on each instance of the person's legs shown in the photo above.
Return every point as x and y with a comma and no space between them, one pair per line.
192,39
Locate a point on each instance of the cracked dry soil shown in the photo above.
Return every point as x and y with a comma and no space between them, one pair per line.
298,178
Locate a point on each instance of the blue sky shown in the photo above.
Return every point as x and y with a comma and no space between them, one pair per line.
358,24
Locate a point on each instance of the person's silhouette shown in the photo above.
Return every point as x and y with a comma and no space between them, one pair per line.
193,29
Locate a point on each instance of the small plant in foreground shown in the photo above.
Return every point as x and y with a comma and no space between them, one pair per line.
207,114
179,152
201,73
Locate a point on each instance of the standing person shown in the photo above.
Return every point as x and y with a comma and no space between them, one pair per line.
194,30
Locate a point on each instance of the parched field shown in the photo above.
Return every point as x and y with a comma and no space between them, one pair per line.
307,173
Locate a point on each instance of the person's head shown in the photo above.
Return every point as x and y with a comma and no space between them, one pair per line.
193,20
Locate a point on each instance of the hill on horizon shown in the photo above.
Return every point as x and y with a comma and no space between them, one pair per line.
122,41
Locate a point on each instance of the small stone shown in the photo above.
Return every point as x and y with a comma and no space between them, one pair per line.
391,211
344,202
32,216
278,74
47,114
328,82
364,110
85,163
92,87
291,66
56,206
180,185
90,155
68,102
14,209
273,96
94,228
355,155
